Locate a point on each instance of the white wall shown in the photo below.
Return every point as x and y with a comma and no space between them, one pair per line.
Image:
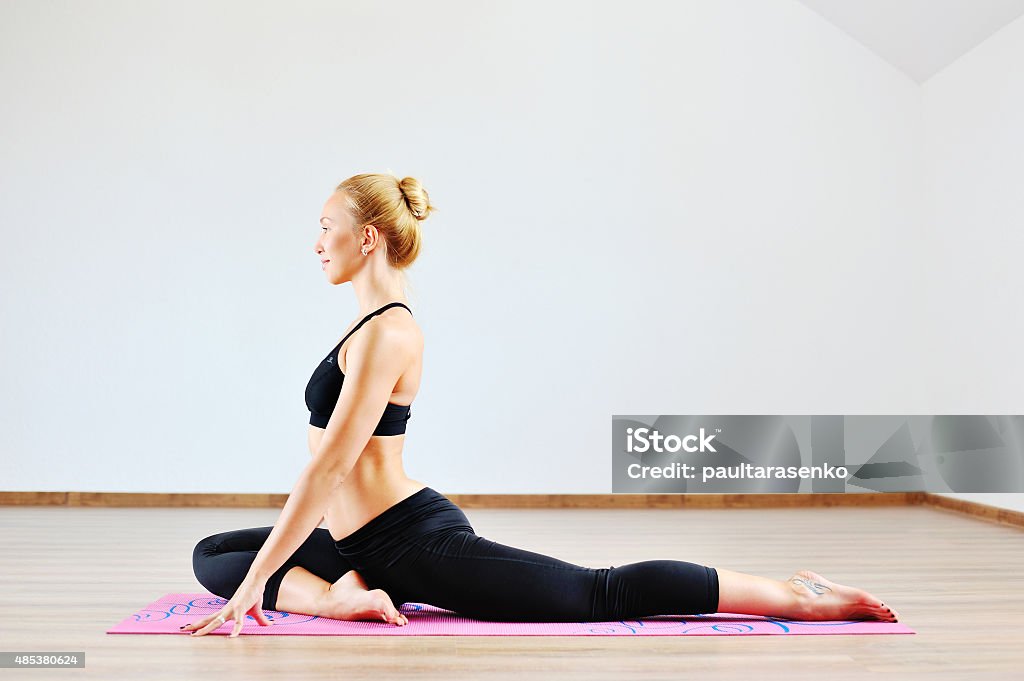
704,207
974,163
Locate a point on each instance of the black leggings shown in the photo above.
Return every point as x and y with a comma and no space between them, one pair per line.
424,550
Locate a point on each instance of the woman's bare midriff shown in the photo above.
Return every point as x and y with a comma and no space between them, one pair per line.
376,483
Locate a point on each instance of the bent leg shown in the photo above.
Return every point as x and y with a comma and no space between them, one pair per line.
480,578
221,561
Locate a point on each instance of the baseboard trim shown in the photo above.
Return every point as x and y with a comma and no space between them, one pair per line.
1003,516
121,499
703,501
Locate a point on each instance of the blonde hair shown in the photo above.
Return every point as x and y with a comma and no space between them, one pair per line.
395,207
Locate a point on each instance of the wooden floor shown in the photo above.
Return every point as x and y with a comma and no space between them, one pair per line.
70,573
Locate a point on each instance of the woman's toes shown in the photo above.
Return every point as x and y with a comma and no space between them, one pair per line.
389,612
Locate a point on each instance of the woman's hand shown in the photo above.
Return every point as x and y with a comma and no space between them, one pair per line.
247,600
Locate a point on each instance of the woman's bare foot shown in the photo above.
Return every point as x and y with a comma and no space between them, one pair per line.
826,600
349,599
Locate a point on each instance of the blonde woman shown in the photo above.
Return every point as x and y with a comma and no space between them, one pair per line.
391,539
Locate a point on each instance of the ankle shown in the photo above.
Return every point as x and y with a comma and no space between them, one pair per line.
801,604
328,604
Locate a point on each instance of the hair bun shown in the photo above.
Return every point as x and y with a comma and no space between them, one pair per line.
416,198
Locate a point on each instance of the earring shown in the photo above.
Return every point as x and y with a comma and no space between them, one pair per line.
364,251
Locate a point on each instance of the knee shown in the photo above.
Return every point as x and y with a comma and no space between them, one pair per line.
203,564
659,587
204,548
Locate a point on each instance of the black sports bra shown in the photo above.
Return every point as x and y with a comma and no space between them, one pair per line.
324,387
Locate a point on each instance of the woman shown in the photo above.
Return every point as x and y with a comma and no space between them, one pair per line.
391,539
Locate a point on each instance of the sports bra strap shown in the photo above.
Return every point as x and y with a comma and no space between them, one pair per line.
372,314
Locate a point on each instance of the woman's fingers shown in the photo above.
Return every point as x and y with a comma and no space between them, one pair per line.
260,616
207,624
192,626
208,627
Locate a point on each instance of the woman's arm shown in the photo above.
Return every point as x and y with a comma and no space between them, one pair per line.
313,440
302,513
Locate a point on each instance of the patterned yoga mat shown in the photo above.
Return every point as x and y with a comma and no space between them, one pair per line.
167,614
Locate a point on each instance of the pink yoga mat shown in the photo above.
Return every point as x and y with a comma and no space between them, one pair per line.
166,615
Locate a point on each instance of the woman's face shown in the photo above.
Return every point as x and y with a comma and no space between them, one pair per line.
336,243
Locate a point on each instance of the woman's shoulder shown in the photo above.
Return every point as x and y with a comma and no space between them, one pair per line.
398,322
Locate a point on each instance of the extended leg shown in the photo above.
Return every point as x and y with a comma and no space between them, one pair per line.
483,579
